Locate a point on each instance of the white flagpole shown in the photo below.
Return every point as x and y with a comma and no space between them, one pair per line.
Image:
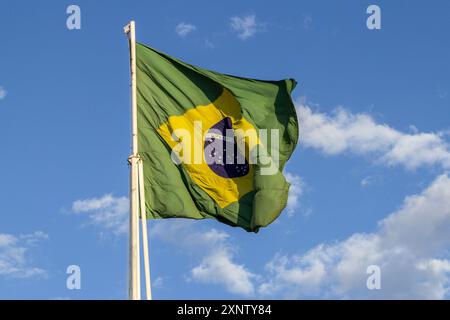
148,288
134,259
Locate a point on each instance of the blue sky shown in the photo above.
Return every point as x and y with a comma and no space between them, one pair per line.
370,184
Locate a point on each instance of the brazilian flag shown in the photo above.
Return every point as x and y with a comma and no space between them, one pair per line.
183,109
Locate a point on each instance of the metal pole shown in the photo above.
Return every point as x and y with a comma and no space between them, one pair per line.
148,288
134,259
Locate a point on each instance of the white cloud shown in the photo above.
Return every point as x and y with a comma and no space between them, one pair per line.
14,257
410,246
245,26
33,238
183,233
217,264
108,212
292,277
2,93
295,191
159,282
367,181
183,29
360,134
218,267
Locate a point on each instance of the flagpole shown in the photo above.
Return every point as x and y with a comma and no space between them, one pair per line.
134,259
148,288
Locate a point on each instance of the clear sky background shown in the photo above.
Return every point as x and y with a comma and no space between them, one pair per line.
369,178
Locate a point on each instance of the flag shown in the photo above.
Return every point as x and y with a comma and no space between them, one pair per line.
212,145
